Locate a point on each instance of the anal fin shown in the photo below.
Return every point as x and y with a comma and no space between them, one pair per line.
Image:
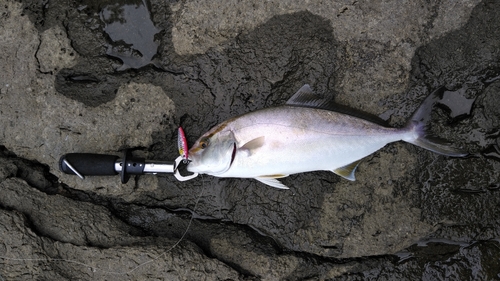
275,176
347,171
272,182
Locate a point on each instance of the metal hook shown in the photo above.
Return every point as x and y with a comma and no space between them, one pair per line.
178,175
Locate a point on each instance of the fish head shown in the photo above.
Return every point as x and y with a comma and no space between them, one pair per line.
213,153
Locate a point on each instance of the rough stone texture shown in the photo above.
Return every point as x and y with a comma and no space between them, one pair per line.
256,262
202,24
28,255
41,125
410,215
384,221
55,51
380,35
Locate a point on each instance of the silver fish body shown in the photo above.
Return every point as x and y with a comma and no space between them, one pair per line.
301,136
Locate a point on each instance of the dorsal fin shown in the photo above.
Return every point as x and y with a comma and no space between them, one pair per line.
305,97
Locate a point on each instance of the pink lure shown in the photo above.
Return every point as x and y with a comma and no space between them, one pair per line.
182,144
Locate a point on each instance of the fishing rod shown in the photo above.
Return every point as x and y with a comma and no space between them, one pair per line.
91,164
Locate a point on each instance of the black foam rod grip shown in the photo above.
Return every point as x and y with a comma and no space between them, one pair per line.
88,164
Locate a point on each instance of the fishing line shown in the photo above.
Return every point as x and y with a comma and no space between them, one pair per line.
178,241
95,269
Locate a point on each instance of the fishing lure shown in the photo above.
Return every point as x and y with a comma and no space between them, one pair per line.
182,144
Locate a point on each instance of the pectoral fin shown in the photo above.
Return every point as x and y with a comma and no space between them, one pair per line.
272,182
347,171
252,145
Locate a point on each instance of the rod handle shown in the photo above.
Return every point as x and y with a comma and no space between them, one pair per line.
88,164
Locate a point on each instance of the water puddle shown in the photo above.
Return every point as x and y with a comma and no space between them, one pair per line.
457,103
132,32
425,247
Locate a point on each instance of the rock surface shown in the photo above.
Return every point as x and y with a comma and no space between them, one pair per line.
71,83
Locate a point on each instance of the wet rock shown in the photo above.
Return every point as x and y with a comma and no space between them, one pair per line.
195,30
380,218
378,51
26,253
19,243
239,250
7,170
86,33
215,61
18,46
55,51
44,125
491,112
49,236
65,220
440,260
64,126
35,174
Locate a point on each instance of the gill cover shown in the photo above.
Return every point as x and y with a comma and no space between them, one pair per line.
213,154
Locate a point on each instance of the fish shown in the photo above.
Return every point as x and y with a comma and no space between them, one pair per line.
308,133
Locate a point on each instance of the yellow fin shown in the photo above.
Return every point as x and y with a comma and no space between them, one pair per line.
275,176
347,171
272,182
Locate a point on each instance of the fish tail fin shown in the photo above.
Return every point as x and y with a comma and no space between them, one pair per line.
419,125
433,143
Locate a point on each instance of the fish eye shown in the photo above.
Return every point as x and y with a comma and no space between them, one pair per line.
204,143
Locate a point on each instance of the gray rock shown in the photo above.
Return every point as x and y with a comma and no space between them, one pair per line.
43,125
27,254
66,220
410,214
55,51
195,30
